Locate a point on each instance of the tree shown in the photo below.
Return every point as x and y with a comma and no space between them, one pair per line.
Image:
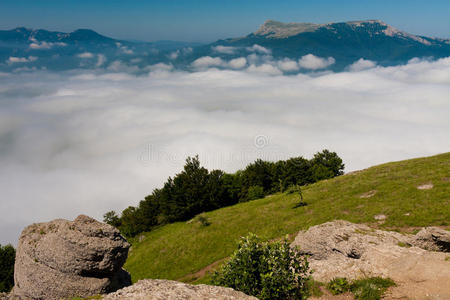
186,195
7,259
111,218
257,174
297,171
255,192
132,221
329,160
217,192
233,187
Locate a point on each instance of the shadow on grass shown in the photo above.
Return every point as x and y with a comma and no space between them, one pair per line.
300,204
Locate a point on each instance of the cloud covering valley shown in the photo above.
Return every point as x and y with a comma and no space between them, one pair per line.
90,141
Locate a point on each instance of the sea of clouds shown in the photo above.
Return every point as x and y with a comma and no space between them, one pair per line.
93,141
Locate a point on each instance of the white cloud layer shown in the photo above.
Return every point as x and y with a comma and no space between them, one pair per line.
362,64
85,55
259,49
13,59
288,65
36,45
312,62
89,142
224,49
101,59
208,62
237,63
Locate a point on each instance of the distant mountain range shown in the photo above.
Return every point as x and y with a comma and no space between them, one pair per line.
341,43
25,48
345,42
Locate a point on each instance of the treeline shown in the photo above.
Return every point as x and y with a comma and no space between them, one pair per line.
7,258
196,190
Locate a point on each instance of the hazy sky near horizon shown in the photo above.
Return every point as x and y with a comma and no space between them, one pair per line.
209,20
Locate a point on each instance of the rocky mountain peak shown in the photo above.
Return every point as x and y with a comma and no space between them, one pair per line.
275,29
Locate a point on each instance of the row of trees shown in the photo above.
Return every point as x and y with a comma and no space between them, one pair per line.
7,258
196,190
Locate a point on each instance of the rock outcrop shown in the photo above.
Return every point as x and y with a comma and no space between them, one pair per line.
61,258
155,289
344,249
433,238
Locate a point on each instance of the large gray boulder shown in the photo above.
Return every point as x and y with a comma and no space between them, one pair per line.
155,289
61,258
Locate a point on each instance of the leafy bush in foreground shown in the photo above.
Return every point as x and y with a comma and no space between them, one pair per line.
7,258
267,270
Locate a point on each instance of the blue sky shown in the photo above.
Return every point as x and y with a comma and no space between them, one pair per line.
208,20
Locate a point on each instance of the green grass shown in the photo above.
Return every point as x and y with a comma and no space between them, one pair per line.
370,288
405,245
176,250
338,286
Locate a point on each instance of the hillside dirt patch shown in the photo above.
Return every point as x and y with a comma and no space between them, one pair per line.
426,186
369,194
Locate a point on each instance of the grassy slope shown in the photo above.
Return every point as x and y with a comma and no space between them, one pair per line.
178,249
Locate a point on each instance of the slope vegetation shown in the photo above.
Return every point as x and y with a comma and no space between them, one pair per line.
408,194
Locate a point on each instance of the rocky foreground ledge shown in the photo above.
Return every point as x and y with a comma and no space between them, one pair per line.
419,264
61,259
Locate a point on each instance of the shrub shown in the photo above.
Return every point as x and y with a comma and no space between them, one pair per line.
255,192
267,270
338,286
7,259
370,288
203,220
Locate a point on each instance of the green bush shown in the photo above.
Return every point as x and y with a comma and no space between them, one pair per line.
203,220
267,270
255,192
338,286
7,258
370,288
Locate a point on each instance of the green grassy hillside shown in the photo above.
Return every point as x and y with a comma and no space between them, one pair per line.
176,250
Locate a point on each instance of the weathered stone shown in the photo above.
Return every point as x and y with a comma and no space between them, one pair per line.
155,289
433,238
344,249
3,296
69,258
